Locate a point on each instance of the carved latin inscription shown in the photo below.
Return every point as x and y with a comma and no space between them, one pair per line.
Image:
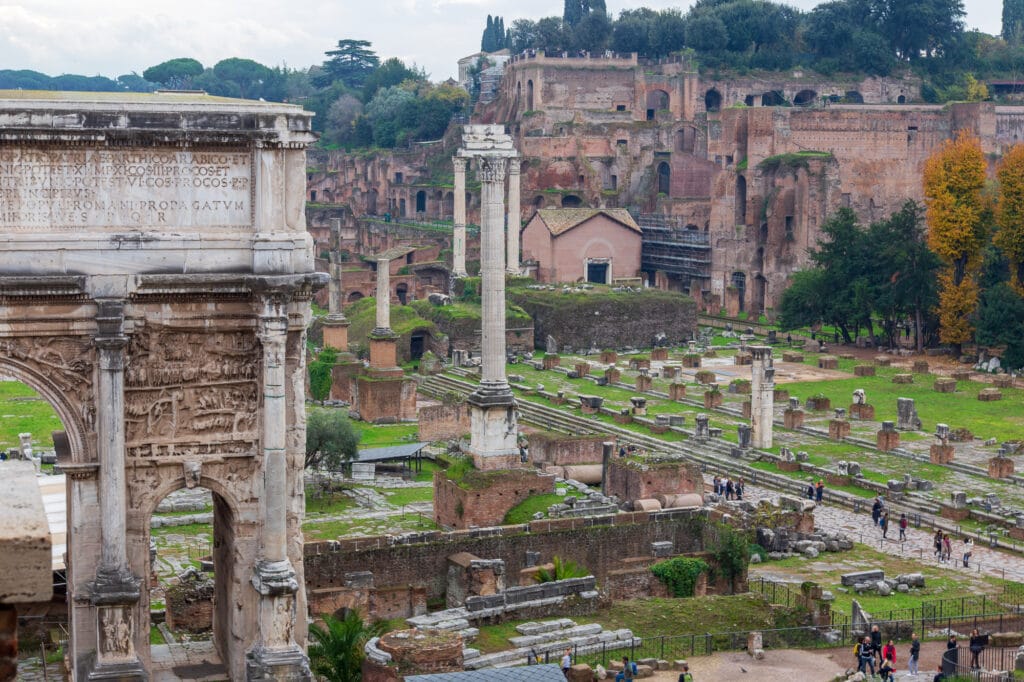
191,393
136,189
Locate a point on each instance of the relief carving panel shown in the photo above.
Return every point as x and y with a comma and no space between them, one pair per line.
67,362
190,393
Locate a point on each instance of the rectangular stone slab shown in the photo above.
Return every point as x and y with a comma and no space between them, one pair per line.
862,577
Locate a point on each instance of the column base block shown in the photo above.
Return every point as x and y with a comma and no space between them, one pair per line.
129,671
493,436
266,665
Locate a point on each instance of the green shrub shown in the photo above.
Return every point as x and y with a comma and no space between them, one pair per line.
562,570
680,574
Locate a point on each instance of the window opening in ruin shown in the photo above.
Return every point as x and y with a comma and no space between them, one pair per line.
911,134
728,159
741,200
402,293
749,100
760,293
712,100
581,180
401,208
312,195
845,200
571,201
398,178
620,107
789,228
421,202
650,114
901,100
597,271
691,227
621,142
538,201
805,98
686,140
416,346
615,182
853,97
772,98
529,95
354,296
408,258
739,283
664,178
763,234
371,202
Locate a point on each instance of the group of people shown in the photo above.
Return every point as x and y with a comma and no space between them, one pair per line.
871,649
880,515
816,491
944,549
727,488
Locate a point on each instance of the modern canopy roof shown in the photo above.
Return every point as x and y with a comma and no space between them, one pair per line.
529,673
391,452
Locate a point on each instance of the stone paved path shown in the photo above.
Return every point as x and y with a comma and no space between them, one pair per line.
917,546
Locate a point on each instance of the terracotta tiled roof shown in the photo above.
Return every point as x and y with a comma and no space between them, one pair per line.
559,220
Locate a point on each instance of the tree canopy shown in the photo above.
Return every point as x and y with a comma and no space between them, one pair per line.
331,440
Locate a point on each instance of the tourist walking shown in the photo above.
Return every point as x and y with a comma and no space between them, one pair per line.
947,546
686,675
729,489
819,491
903,527
937,541
876,510
977,645
968,546
915,654
810,490
883,523
876,642
566,662
865,656
739,489
952,654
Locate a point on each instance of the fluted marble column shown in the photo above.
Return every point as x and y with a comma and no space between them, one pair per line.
459,236
273,336
335,324
762,396
512,257
492,270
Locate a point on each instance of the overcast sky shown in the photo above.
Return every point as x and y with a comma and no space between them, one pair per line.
120,36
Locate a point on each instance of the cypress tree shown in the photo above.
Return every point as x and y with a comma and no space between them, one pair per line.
1013,20
572,13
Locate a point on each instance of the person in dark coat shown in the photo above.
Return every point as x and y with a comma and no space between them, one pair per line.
876,510
977,645
876,642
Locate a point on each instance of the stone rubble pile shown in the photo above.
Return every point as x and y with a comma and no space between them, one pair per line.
552,637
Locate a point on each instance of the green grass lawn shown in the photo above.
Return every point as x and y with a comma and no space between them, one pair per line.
329,503
332,530
402,496
383,435
22,410
1003,419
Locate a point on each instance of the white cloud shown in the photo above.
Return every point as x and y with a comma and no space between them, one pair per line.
119,36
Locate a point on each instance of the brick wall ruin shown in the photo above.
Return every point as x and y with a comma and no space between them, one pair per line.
486,497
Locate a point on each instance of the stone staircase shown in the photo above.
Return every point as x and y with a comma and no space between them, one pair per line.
552,637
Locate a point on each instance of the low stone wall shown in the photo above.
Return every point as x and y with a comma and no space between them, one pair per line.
556,449
483,498
600,544
634,481
443,422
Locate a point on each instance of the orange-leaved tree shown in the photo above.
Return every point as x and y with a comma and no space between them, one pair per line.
954,180
1010,214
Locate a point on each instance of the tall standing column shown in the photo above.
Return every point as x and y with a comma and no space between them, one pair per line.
275,654
459,236
383,341
514,212
762,396
383,297
115,590
335,324
492,271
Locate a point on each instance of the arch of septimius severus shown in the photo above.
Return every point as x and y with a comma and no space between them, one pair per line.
155,277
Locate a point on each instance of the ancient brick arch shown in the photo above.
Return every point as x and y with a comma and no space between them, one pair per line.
159,301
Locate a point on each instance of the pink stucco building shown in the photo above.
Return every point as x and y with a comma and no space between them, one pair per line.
583,244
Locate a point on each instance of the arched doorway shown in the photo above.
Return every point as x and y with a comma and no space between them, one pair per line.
571,201
712,101
664,179
402,292
529,95
739,285
354,296
421,202
804,98
371,202
772,98
741,200
686,140
657,100
853,97
401,207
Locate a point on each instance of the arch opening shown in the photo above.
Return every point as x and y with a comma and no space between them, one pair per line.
712,101
571,201
664,178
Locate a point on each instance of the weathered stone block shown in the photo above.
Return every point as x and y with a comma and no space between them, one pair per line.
990,394
780,395
838,429
712,399
953,513
746,408
793,419
691,360
1003,381
551,360
883,360
944,385
864,370
582,369
669,371
1000,467
788,466
792,357
612,375
961,375
609,357
902,378
644,383
940,454
887,440
862,411
705,377
743,358
819,403
659,354
676,391
920,367
828,362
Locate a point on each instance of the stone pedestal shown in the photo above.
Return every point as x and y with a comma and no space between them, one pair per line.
839,429
639,363
746,409
793,419
961,375
940,453
644,383
780,395
613,375
828,362
990,394
1003,381
888,438
590,404
944,385
792,357
609,357
705,376
659,354
864,371
788,466
920,367
902,378
883,360
954,513
743,358
676,391
1000,467
336,332
712,399
551,360
669,371
692,360
762,396
862,411
582,369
